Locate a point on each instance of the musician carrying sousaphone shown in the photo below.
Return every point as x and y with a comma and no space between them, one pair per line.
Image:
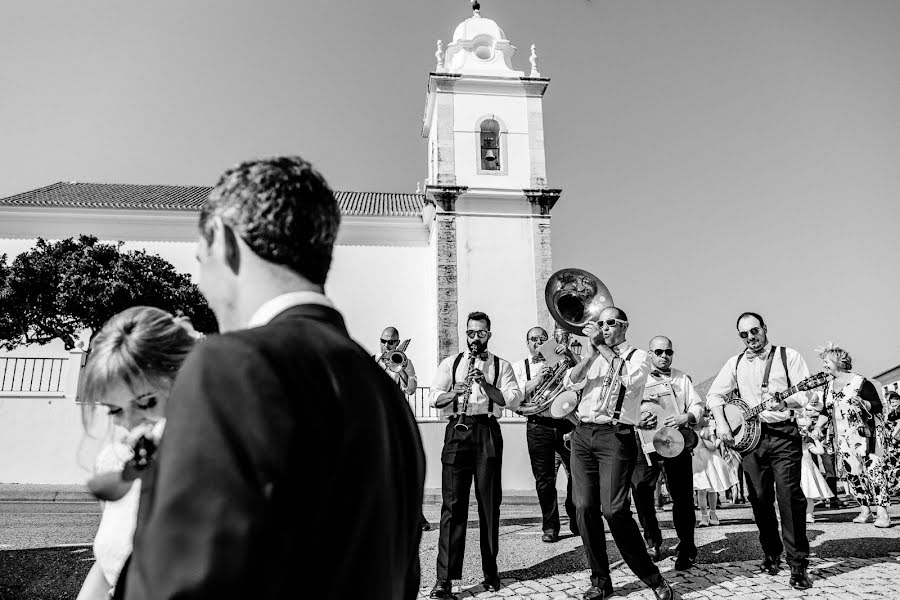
670,407
610,380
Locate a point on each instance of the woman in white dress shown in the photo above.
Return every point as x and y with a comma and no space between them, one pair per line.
812,482
715,470
132,363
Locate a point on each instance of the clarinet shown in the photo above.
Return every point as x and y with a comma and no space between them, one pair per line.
461,423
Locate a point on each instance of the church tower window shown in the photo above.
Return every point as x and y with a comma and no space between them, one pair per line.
490,145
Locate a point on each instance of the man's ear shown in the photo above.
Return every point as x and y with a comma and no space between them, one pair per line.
230,246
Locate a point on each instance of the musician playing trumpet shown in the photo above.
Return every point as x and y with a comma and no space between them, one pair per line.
604,451
471,389
544,434
405,373
670,387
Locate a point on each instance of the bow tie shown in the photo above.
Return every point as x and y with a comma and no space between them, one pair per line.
660,373
537,359
482,356
751,356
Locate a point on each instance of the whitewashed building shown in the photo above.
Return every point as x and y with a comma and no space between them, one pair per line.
476,238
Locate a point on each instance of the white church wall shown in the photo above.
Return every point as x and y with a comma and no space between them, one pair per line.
496,275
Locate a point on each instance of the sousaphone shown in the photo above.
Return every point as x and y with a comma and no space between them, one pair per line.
575,298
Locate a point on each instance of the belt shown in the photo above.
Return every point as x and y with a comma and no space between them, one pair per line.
607,425
485,419
546,421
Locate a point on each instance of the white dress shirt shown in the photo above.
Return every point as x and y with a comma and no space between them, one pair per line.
686,398
478,400
633,377
749,381
521,373
277,305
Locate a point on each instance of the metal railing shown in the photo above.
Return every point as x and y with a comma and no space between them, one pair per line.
25,374
419,402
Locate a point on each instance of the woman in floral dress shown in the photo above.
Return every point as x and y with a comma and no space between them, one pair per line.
891,443
853,406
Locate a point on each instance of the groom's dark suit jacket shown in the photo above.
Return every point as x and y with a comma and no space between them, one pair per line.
291,466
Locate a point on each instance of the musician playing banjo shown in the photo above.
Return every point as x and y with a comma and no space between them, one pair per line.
544,434
672,388
471,388
773,467
604,451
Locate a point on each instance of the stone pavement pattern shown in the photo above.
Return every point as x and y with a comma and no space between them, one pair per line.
850,578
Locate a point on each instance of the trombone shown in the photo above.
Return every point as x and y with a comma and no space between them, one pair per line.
396,360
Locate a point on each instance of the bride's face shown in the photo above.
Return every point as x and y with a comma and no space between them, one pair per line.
830,366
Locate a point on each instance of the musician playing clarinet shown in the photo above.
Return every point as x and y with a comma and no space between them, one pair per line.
773,468
604,451
667,384
471,389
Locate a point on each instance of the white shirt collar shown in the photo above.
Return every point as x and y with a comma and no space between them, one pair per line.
277,305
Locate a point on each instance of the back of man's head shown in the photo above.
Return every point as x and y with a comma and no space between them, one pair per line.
282,208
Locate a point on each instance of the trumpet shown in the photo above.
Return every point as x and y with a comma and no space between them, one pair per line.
461,423
396,360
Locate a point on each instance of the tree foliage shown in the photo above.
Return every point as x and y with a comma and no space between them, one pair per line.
58,289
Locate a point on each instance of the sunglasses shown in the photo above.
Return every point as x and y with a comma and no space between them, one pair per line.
668,352
612,322
745,334
481,334
390,342
538,340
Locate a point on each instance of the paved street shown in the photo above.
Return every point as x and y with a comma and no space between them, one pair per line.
849,560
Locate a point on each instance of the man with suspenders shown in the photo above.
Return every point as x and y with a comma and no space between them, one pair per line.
604,452
545,435
471,388
773,468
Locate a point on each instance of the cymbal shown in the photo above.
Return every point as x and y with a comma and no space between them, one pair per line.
668,442
563,404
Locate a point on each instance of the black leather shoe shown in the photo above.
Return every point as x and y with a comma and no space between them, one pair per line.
771,565
574,529
594,593
426,526
664,592
836,504
442,589
684,561
550,536
654,551
799,579
492,584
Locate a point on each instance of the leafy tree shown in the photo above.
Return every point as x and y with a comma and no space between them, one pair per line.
58,289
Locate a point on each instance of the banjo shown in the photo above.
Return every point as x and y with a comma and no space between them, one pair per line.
743,420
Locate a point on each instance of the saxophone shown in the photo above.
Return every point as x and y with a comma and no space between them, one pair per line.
461,423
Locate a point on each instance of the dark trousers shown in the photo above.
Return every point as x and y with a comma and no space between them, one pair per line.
545,440
474,454
603,458
773,471
680,481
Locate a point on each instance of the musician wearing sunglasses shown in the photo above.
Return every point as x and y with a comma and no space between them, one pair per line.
405,374
664,380
604,451
773,467
471,389
544,434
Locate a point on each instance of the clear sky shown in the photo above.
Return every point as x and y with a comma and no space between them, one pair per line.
715,156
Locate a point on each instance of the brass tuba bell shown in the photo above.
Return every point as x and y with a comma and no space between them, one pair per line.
575,298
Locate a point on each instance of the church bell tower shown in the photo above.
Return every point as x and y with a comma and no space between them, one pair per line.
487,185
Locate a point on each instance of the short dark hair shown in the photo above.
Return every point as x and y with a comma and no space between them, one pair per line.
282,208
538,327
756,316
621,313
479,316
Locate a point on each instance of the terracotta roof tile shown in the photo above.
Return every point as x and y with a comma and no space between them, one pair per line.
190,198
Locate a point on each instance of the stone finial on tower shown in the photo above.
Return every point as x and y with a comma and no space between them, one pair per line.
533,60
476,8
418,187
439,58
